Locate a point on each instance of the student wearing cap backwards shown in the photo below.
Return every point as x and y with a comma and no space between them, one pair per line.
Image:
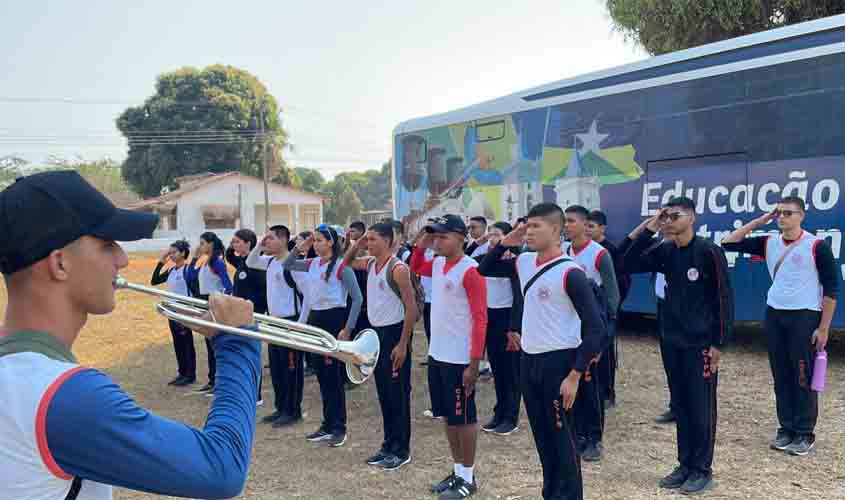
697,320
328,282
183,339
77,432
458,328
561,331
801,303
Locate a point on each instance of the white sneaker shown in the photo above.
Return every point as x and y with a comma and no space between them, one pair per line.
260,402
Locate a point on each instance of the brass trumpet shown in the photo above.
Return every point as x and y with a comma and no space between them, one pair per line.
360,354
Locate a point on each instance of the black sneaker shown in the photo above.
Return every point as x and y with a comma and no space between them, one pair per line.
505,428
666,417
286,420
394,462
209,387
378,458
177,379
444,485
459,489
592,451
491,425
184,381
676,479
782,440
271,417
318,435
801,446
697,483
336,440
580,444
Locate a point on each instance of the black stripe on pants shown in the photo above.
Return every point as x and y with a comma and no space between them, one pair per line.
287,373
693,387
330,372
607,366
791,359
394,393
551,426
504,364
589,405
183,345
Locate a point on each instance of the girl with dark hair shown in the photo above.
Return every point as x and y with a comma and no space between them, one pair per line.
249,283
212,277
183,339
328,283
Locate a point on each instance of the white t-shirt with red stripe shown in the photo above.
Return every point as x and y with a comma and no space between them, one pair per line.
589,258
796,285
549,319
28,381
325,294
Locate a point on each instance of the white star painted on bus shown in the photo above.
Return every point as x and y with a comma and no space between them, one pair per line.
591,140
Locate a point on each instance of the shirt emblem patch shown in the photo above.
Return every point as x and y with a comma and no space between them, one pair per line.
544,293
693,274
242,275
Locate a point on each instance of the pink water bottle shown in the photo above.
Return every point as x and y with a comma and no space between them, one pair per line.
819,370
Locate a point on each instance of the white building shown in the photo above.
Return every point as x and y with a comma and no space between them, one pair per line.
224,203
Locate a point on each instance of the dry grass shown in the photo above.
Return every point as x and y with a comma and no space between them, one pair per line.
133,345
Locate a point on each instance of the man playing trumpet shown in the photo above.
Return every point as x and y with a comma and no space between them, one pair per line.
60,260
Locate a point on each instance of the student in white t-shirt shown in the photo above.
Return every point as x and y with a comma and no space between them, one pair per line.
284,300
183,339
392,312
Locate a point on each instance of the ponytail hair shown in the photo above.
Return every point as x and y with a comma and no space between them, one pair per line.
330,234
217,247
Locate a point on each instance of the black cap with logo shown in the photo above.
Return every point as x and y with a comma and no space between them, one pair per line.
49,210
449,223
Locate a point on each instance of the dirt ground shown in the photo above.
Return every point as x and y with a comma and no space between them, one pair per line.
133,346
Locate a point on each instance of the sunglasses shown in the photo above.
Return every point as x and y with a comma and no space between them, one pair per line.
674,216
785,213
326,230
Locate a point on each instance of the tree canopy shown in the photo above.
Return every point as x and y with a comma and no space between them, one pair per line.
202,120
349,193
662,26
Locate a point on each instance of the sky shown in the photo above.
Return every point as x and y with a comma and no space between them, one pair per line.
345,73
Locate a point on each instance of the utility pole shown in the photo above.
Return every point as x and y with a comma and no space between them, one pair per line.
265,168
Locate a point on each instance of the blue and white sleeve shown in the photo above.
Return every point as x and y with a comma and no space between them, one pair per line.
95,431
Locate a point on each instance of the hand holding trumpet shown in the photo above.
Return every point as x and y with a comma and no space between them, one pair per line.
226,310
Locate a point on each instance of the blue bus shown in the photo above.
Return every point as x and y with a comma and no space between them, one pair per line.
734,125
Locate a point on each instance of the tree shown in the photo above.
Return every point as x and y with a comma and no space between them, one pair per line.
310,179
371,186
198,121
342,204
662,26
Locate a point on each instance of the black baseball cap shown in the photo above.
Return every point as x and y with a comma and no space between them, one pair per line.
43,212
449,223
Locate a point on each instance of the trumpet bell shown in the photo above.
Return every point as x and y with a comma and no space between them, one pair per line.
363,352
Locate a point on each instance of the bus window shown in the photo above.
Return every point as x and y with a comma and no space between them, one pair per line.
490,131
